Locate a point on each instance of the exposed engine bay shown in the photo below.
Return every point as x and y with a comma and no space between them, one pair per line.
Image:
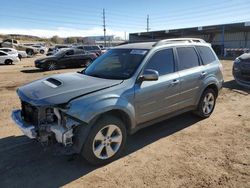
50,123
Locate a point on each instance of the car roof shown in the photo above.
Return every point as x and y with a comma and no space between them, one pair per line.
150,45
139,45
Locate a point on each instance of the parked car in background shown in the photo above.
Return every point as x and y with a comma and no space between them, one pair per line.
68,57
126,89
7,59
91,48
9,51
55,49
41,49
11,43
20,54
241,70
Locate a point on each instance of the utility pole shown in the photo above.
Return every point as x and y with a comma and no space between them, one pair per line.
104,27
147,24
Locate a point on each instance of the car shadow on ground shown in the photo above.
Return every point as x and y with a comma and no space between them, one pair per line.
25,163
234,86
32,71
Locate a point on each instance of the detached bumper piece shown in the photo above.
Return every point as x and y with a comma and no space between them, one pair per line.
27,129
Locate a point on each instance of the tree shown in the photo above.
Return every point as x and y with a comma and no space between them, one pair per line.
71,40
57,40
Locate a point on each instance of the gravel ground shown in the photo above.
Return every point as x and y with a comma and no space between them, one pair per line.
184,151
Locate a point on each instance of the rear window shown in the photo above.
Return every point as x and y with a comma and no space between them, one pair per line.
206,54
87,48
187,58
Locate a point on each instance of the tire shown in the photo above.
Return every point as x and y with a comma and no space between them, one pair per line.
51,66
20,56
42,51
8,62
88,62
30,52
99,147
206,104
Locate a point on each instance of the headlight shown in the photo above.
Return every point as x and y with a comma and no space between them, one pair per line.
237,60
50,115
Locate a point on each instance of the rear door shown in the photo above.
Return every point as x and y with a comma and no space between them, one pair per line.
191,75
157,98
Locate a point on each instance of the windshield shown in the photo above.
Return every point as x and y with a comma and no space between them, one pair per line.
116,64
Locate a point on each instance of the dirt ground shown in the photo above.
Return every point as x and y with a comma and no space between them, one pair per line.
184,151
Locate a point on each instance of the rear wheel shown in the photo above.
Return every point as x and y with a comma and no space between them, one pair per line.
30,52
206,103
8,62
20,56
105,141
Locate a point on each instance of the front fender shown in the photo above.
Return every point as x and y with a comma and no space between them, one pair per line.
87,113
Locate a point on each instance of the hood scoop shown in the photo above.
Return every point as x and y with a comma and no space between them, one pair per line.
52,82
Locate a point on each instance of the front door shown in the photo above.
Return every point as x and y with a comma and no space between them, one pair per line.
158,98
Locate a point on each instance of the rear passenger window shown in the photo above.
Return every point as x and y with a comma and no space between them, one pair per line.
187,58
162,61
206,54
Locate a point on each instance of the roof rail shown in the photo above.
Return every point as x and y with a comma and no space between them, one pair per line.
177,40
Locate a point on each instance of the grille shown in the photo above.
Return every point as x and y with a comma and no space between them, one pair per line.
29,113
245,66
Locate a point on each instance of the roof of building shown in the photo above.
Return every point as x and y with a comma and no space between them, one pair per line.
173,33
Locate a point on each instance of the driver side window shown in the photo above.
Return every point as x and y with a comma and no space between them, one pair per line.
69,53
162,61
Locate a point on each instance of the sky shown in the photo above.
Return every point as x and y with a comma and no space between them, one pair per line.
65,18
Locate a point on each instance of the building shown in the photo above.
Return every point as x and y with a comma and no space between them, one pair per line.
226,39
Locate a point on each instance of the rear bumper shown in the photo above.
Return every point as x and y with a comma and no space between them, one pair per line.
28,130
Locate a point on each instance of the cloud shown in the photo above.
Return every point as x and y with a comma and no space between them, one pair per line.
61,31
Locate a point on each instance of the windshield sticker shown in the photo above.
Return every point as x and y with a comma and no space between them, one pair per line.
138,52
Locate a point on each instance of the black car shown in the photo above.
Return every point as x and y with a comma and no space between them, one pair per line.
241,70
66,58
91,48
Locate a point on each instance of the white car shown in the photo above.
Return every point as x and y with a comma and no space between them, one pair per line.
9,50
7,59
20,54
40,48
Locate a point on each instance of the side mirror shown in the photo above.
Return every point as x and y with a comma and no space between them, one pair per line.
149,75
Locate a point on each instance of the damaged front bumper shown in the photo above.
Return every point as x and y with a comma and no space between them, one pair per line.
62,133
27,129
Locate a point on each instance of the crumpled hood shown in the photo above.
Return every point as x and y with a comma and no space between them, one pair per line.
60,88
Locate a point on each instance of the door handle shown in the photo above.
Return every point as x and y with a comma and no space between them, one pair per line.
174,82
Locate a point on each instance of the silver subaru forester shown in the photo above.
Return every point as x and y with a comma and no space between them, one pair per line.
127,88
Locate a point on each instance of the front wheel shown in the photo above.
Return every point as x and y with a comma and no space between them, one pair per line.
8,62
88,62
206,104
105,141
51,66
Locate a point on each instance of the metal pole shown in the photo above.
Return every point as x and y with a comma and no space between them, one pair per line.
223,40
104,27
148,23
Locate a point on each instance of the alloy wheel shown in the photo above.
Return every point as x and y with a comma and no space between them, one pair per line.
107,142
208,103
